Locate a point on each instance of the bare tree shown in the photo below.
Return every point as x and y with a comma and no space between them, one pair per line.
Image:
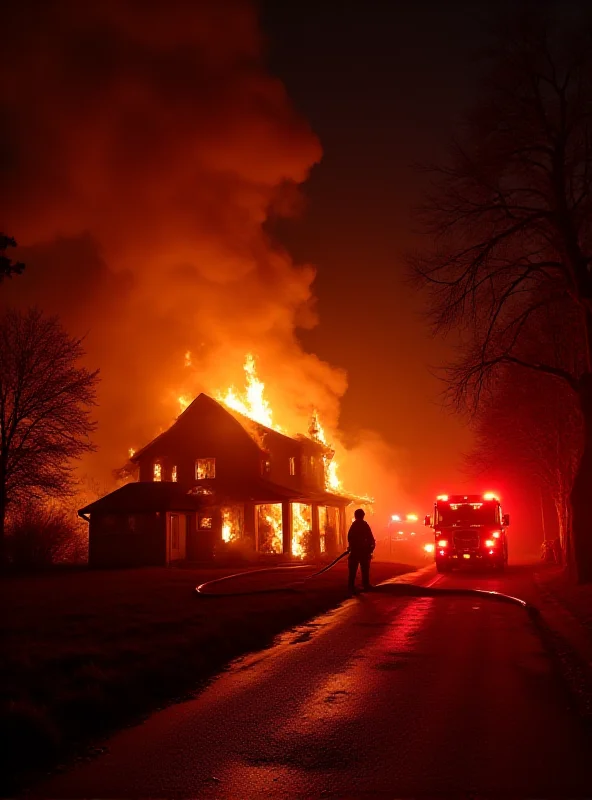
45,403
530,431
510,223
8,267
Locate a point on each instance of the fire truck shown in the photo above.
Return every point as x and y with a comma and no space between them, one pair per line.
469,529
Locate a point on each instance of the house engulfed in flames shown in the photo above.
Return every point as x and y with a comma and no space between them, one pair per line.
217,481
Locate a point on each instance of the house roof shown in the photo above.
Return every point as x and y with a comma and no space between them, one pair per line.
255,430
145,496
149,496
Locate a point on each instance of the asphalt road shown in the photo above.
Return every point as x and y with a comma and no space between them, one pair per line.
386,696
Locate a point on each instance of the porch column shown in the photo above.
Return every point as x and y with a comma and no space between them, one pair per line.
287,527
250,529
342,528
316,531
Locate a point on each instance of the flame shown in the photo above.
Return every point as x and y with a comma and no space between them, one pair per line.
131,452
301,524
232,523
251,402
272,515
184,401
332,481
188,358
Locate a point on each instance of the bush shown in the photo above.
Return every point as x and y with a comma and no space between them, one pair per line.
44,536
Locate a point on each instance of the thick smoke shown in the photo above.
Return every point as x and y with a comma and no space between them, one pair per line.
144,148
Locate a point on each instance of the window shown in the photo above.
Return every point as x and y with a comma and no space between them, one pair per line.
205,523
292,465
157,471
205,469
266,467
174,474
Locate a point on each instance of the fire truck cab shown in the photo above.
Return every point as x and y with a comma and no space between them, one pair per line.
469,529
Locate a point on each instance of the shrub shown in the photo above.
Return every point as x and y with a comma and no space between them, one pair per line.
42,536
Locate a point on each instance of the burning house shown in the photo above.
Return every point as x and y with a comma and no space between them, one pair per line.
215,481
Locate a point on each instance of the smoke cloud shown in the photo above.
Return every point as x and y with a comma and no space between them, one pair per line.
145,146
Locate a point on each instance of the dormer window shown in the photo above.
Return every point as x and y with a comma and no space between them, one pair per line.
205,469
292,465
174,474
157,471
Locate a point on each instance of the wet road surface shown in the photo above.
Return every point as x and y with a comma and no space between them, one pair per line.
386,696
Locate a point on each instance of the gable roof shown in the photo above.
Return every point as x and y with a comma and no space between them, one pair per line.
255,430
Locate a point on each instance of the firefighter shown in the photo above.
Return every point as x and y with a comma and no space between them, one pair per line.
361,546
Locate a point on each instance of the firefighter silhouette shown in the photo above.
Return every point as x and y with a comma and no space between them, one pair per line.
361,546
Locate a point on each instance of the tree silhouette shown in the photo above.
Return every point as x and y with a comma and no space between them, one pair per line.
8,267
45,403
530,432
510,216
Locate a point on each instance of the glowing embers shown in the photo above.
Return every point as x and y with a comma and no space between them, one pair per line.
233,521
157,471
269,528
301,529
205,523
205,469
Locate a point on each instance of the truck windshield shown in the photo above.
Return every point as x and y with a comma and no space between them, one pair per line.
467,513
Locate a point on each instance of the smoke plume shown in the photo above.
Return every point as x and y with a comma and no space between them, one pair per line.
145,146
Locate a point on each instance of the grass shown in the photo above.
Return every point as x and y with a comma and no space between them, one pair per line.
85,652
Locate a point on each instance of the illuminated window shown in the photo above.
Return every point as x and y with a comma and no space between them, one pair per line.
266,467
174,474
157,471
205,523
205,469
292,465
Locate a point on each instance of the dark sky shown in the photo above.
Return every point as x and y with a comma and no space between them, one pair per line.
382,85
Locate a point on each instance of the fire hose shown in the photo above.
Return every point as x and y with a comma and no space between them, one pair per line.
291,587
398,589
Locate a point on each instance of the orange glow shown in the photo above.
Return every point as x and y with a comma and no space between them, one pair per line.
412,517
131,452
443,543
187,361
174,474
396,518
157,472
429,547
466,555
443,497
496,534
489,496
489,543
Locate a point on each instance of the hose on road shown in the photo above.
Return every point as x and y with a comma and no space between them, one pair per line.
399,589
203,589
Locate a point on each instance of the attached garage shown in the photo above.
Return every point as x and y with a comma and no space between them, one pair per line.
140,524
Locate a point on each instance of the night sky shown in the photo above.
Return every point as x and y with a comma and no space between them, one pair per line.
383,86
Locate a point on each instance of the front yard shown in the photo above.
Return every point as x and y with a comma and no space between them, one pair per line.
87,651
